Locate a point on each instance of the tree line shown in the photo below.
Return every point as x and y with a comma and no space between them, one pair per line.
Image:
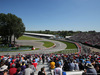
61,33
10,25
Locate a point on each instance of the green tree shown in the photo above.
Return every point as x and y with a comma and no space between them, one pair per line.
11,25
3,27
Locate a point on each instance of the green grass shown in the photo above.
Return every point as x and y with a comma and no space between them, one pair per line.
47,44
28,38
37,48
69,45
68,48
25,46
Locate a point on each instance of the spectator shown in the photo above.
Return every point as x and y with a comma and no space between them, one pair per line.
40,59
42,72
32,67
5,72
48,59
23,66
76,68
81,65
35,64
28,71
71,66
97,67
52,64
12,63
60,63
90,69
84,73
58,70
12,70
43,58
36,59
18,64
66,66
3,69
19,71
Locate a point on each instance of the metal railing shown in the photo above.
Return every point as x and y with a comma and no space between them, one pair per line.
13,49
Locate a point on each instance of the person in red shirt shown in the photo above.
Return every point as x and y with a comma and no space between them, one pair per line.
35,64
12,63
12,70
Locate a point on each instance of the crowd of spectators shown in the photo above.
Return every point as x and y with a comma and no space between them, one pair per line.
85,49
73,62
26,64
89,38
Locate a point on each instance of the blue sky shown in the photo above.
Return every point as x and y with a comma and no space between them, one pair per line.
83,15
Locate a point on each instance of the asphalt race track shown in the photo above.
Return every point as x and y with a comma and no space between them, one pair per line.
58,47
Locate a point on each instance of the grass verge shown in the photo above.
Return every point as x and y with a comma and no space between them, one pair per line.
69,45
28,38
47,44
71,48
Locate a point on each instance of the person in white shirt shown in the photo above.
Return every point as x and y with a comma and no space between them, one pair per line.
28,71
58,70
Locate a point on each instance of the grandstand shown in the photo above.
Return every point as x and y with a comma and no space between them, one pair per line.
68,62
72,59
49,36
92,39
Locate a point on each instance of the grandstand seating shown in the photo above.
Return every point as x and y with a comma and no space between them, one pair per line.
88,38
79,59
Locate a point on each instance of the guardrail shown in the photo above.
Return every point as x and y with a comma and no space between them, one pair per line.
13,49
74,73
